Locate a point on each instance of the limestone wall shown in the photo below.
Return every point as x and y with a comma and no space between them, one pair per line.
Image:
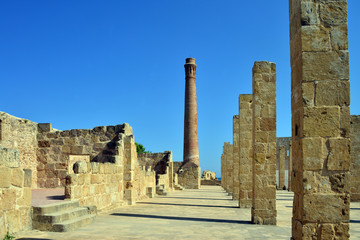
20,134
59,149
355,158
162,164
15,193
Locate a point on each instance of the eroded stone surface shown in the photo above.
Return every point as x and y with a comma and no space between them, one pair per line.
320,119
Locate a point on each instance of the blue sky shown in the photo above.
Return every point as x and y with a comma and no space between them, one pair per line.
81,64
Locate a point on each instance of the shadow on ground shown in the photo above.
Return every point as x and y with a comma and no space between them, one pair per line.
181,218
187,205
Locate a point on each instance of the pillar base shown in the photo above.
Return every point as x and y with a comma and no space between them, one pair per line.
263,217
189,176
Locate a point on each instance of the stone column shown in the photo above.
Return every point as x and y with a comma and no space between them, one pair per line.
245,150
290,168
236,157
264,144
191,147
355,158
228,151
281,168
223,170
320,99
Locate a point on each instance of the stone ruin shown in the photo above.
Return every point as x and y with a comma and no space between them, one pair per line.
97,167
323,172
100,167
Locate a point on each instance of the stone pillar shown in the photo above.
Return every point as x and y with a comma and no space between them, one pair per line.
190,172
264,144
223,170
130,157
245,150
228,152
290,168
281,168
236,157
320,99
355,158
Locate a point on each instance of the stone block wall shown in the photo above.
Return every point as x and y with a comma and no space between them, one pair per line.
355,158
59,149
320,95
236,159
264,143
15,193
245,150
20,134
162,164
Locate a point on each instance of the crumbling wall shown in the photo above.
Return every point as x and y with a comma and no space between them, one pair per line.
119,181
20,134
15,193
355,158
162,164
58,149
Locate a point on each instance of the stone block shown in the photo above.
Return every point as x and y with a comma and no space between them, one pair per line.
333,13
17,177
333,93
80,167
77,150
326,120
314,153
44,144
9,157
5,176
339,154
326,207
94,167
27,177
315,38
325,65
44,127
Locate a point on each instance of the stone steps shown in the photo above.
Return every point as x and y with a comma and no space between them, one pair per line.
62,217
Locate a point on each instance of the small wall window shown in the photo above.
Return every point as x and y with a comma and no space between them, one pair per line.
287,152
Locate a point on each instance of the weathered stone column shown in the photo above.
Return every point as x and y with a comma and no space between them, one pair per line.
290,168
281,168
245,150
236,159
228,152
264,143
190,172
320,99
355,158
223,177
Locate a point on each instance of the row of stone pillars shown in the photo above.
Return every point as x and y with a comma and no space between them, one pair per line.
320,96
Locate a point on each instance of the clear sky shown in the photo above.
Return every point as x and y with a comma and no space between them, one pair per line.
86,63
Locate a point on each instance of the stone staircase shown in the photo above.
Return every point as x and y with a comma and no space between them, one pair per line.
62,217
